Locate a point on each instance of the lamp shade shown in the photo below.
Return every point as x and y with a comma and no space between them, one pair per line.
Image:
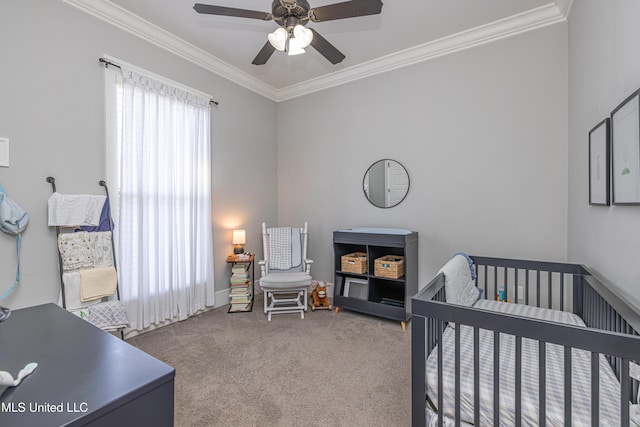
239,237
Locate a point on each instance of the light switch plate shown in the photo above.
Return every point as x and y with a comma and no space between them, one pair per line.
4,152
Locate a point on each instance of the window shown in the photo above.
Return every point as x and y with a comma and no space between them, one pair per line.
159,169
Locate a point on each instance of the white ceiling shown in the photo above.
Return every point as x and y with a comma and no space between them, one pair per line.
406,32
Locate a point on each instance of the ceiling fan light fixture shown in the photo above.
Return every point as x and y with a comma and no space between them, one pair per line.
278,39
294,48
303,35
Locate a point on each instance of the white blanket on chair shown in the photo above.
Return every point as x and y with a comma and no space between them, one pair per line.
279,248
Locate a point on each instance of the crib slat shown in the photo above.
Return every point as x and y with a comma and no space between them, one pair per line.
594,305
549,290
476,376
440,387
624,393
516,286
526,287
602,312
538,288
506,284
594,308
457,374
586,315
562,291
595,390
567,385
518,381
486,283
542,380
496,379
495,281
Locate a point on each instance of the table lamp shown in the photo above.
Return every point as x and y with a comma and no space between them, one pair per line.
239,239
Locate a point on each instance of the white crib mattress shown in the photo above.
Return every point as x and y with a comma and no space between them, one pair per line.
581,375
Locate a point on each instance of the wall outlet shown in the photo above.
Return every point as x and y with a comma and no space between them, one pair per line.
4,152
521,296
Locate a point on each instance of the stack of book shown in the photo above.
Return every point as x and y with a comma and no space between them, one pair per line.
240,290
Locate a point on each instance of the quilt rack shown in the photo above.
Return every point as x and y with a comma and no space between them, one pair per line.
104,312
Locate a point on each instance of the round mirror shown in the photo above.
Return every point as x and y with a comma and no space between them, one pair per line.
386,183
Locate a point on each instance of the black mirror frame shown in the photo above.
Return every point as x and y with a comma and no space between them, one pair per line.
365,177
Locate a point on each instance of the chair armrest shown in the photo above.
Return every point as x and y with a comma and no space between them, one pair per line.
307,263
264,270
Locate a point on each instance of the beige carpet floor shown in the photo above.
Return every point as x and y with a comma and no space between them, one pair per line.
344,369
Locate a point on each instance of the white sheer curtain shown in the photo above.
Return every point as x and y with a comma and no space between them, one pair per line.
163,207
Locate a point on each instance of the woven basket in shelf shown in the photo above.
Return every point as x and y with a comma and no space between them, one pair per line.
389,266
355,262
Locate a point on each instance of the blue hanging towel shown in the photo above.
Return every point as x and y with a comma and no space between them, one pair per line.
13,220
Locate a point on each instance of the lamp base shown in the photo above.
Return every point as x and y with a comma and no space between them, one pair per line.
237,249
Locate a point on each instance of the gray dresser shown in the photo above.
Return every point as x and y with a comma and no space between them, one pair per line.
85,376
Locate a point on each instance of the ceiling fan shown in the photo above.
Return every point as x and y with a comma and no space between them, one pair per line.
292,15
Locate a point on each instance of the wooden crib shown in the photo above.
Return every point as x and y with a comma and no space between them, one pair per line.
547,372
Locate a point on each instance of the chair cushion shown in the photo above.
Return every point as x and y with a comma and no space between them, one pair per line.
293,280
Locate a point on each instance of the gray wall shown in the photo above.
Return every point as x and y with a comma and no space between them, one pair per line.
604,68
482,133
52,109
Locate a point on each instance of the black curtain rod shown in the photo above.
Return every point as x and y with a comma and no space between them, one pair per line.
111,64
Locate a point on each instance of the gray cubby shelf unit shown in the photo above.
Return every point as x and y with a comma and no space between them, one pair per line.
382,297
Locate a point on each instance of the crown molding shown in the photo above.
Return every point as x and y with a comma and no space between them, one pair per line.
125,20
497,30
107,11
565,7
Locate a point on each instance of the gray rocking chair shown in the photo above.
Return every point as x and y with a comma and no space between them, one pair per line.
285,270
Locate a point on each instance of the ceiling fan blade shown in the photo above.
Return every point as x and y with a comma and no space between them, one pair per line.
347,9
231,11
325,48
265,53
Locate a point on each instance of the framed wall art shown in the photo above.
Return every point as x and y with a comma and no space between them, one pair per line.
599,151
625,151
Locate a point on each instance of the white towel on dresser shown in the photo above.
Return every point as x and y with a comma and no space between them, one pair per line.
279,248
70,210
